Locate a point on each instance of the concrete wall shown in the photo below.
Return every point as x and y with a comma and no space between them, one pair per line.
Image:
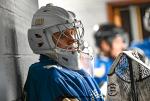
15,53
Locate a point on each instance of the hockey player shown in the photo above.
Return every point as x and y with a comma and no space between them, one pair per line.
110,41
64,70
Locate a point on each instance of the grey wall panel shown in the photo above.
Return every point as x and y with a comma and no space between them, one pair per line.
6,29
8,79
7,5
15,53
22,26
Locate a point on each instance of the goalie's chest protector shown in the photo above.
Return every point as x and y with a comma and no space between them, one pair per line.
129,79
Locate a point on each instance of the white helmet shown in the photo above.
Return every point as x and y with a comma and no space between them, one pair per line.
147,20
52,19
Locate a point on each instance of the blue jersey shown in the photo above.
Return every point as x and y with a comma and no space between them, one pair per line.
48,81
102,66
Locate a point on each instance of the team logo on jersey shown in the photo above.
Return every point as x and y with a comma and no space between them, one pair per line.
112,89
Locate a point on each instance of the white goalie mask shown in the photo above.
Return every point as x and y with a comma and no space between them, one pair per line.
56,33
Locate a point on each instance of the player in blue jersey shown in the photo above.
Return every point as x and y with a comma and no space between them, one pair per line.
110,41
64,70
